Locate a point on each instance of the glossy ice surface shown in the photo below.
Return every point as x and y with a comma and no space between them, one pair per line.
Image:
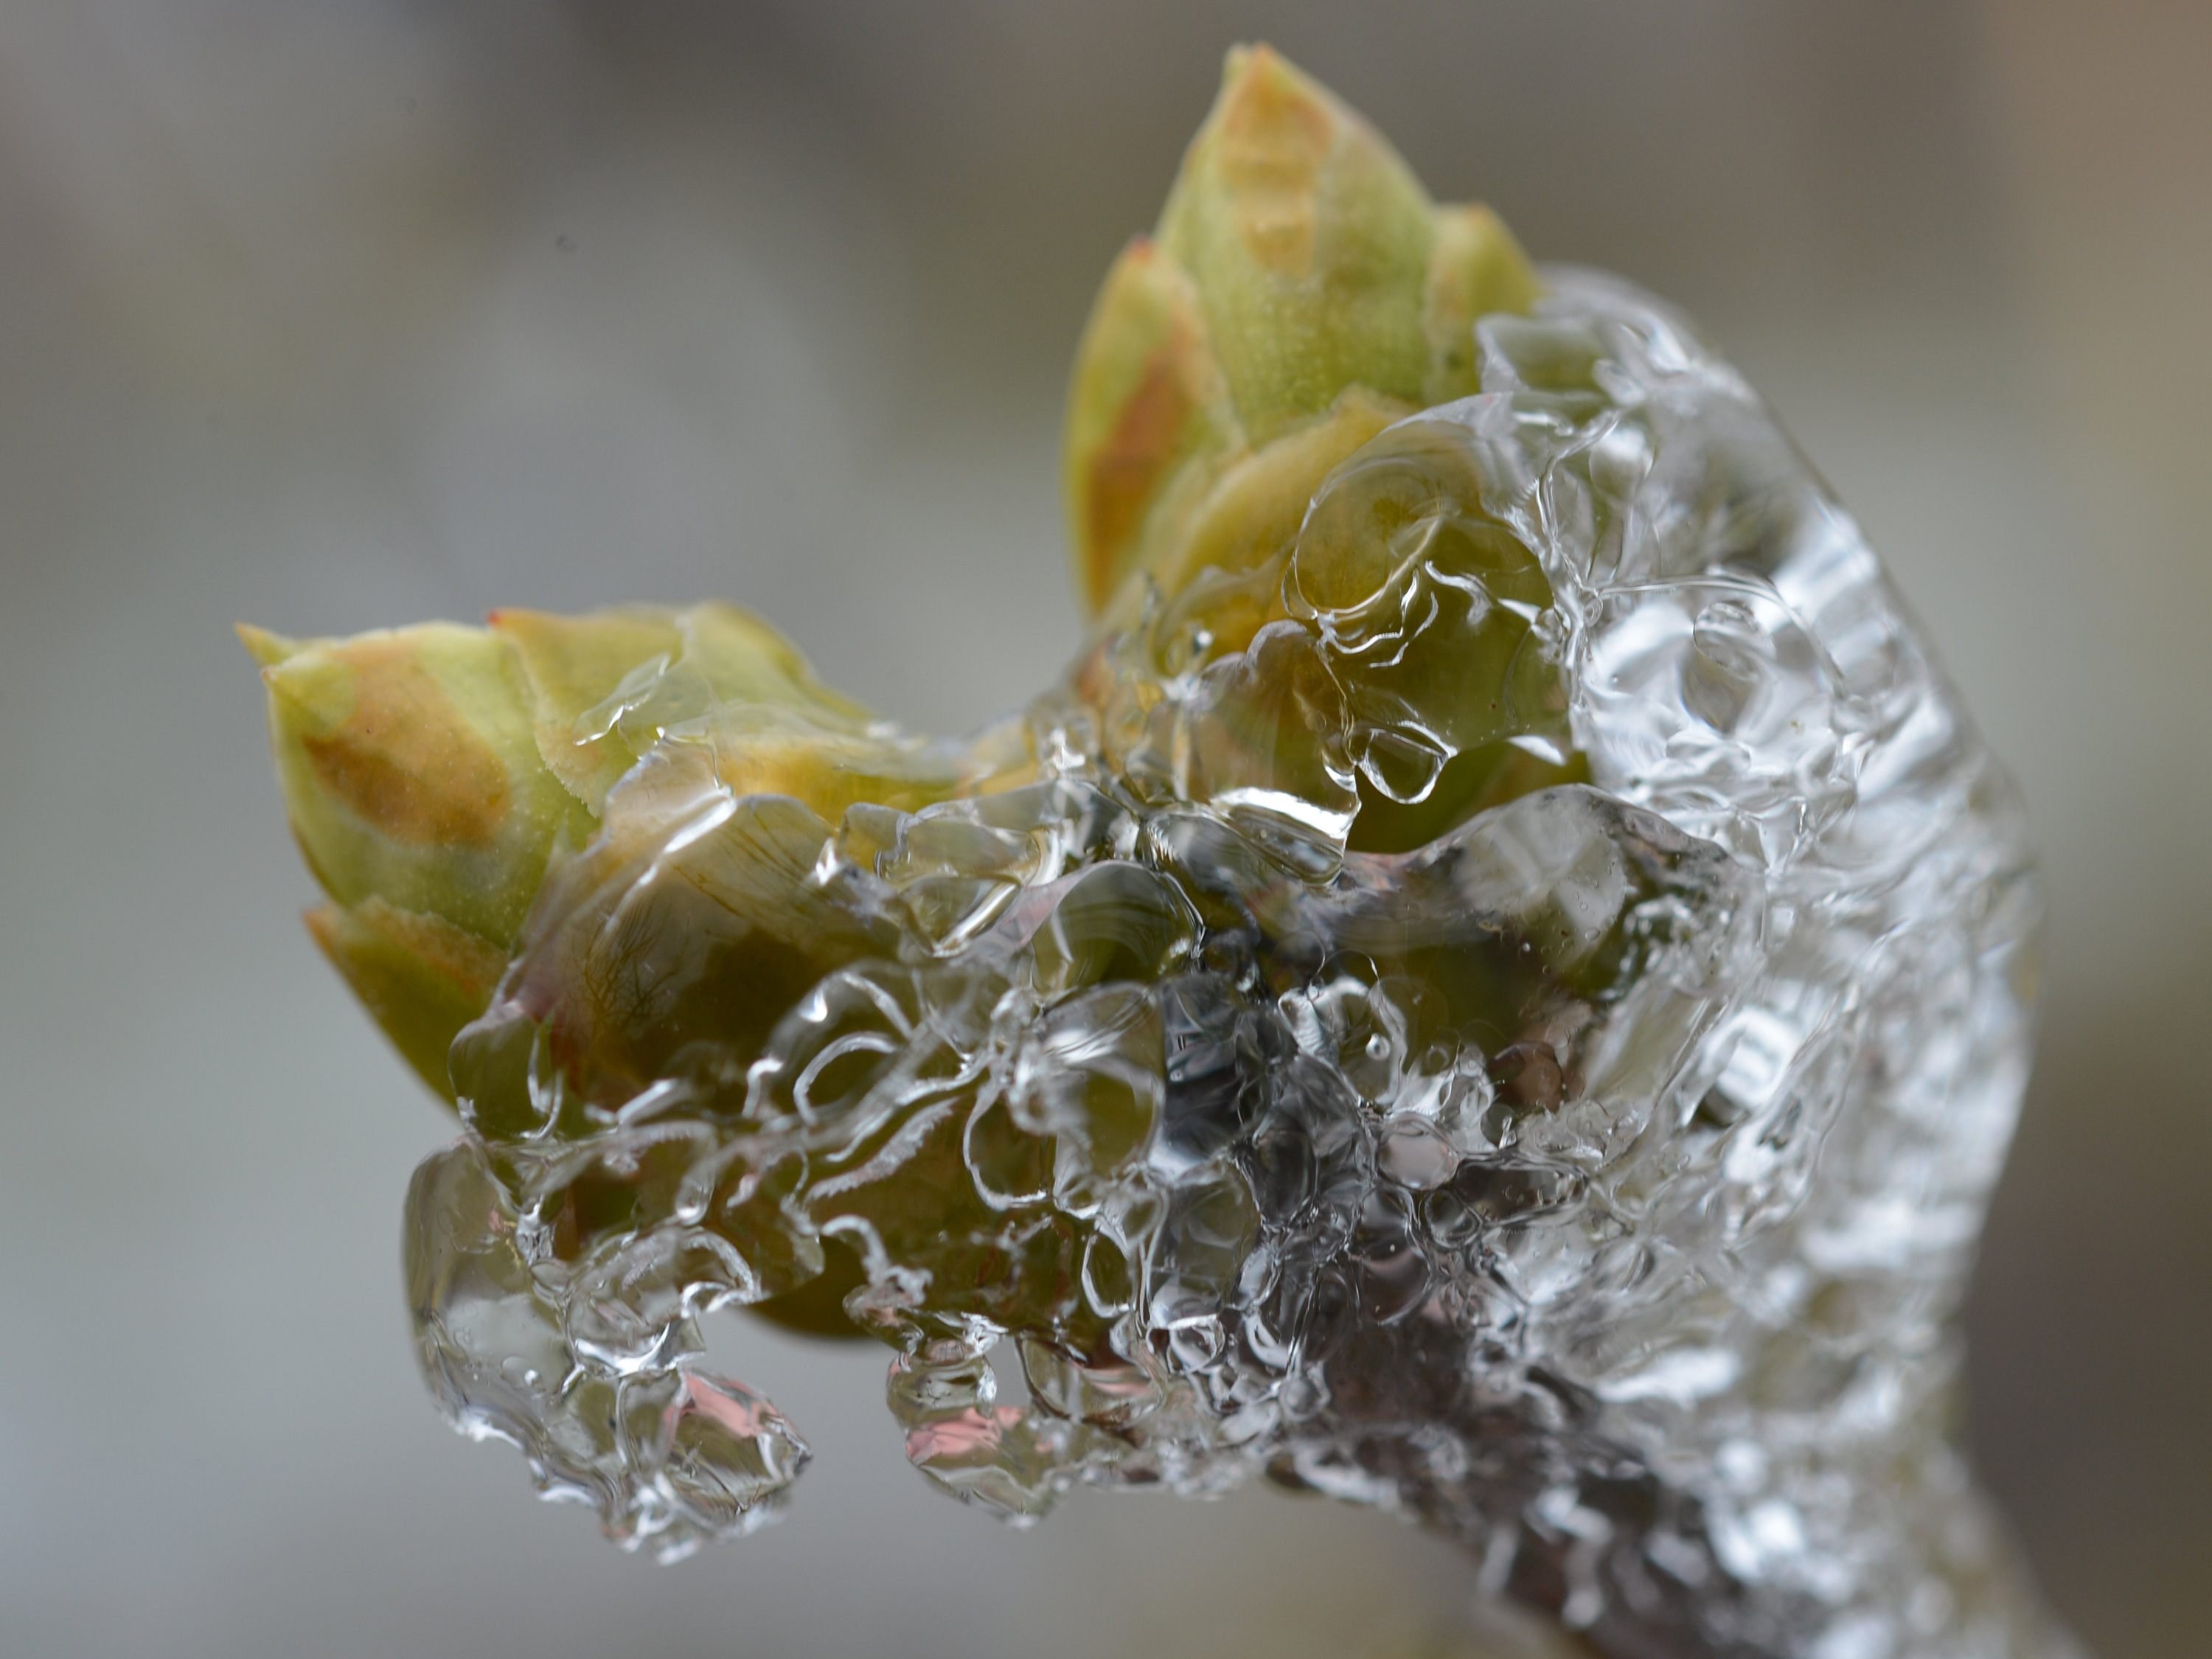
1507,1007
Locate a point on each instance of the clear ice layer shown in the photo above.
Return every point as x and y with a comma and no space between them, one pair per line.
1593,1178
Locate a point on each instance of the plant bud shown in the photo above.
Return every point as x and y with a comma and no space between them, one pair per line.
435,775
1297,263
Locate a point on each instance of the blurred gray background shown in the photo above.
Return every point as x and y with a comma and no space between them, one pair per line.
335,313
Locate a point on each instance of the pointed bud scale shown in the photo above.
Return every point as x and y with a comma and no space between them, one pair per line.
1475,269
412,773
745,660
1254,512
1308,240
586,673
419,978
1147,409
575,665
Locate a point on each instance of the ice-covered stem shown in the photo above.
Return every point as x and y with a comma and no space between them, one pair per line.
1265,1033
1592,1572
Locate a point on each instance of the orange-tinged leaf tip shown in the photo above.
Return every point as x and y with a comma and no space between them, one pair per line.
267,649
404,757
1127,469
1146,402
1274,131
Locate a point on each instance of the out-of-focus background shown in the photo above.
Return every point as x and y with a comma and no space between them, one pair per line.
334,313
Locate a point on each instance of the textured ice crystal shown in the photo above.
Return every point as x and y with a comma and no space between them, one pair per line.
1592,1177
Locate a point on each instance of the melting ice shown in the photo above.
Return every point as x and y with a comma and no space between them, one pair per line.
1509,1013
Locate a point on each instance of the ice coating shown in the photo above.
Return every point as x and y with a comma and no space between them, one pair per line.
1507,1008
